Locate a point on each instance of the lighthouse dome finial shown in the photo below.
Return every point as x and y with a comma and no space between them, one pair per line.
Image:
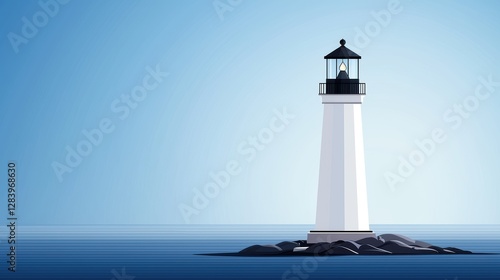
342,42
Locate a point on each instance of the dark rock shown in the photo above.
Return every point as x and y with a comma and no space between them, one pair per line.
398,247
340,250
287,246
348,244
371,241
318,248
441,250
422,244
457,251
367,249
261,250
398,237
302,243
420,250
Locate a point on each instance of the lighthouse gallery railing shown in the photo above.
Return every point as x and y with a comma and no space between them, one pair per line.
351,88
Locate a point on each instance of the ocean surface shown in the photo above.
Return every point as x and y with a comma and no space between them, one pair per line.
176,252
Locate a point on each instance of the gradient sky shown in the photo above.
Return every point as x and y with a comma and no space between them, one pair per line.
227,75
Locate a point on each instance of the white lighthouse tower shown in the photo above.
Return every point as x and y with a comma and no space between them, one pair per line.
342,207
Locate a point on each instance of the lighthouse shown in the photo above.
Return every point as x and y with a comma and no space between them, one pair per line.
342,207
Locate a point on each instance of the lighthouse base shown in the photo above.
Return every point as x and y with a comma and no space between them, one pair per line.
316,236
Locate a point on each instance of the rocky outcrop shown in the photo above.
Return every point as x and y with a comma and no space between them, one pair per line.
385,244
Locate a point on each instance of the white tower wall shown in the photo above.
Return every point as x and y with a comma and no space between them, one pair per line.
342,207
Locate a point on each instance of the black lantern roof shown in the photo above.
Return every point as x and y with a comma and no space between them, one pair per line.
342,52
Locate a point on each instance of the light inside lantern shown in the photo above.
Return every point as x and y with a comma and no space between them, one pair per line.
342,67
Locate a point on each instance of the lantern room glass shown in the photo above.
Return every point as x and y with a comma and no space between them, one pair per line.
333,68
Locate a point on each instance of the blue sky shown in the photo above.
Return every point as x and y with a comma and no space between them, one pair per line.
208,76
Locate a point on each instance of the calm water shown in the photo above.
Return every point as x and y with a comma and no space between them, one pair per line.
173,252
